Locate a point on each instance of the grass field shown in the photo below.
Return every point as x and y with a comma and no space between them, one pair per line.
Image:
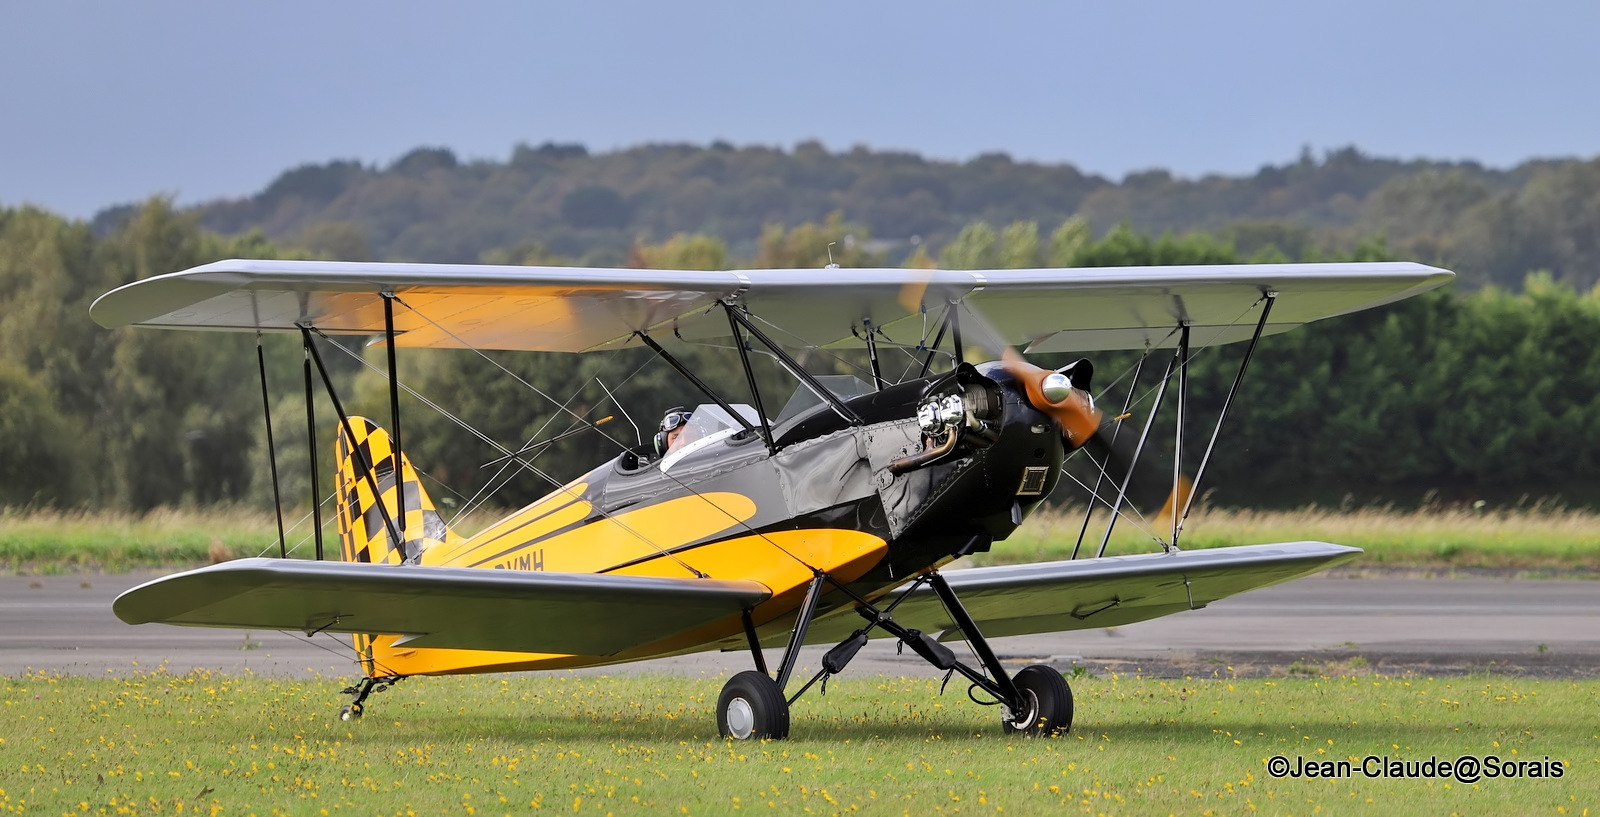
160,744
1536,538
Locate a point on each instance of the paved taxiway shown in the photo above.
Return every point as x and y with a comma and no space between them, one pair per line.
1384,624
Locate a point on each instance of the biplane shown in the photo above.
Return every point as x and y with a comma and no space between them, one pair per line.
828,522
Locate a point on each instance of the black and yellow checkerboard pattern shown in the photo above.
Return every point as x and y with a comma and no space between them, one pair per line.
363,535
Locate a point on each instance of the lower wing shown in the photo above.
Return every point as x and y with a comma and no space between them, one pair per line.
1049,597
512,610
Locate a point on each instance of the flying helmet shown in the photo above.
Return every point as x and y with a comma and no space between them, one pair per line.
675,418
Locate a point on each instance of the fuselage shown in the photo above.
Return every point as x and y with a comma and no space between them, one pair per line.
864,502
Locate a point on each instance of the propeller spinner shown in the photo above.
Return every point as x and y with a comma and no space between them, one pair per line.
1062,394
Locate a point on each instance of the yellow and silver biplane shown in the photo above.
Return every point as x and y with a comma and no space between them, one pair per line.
828,523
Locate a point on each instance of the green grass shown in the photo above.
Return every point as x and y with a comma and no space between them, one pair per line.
52,541
1536,538
62,541
159,744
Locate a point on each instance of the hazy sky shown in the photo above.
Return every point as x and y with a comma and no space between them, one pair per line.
104,103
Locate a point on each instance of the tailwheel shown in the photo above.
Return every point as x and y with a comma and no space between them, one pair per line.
752,707
368,685
1046,703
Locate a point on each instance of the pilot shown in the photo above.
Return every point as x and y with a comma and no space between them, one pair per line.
669,434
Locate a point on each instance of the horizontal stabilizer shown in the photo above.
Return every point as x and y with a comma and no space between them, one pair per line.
1079,594
464,608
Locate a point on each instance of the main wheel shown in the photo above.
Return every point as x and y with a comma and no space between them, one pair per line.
751,707
1046,703
350,713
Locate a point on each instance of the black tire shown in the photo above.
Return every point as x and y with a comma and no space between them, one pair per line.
351,712
752,707
1047,703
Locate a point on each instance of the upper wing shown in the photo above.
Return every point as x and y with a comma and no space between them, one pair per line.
518,611
1090,593
444,305
575,309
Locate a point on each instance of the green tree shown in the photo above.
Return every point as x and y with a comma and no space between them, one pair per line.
45,452
685,252
811,246
336,240
1067,241
178,421
976,247
1019,245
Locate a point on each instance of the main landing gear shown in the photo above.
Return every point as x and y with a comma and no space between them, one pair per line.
1036,701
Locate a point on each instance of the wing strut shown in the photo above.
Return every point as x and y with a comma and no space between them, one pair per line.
1180,365
872,355
953,318
797,370
272,450
1183,417
311,439
750,377
1122,490
1271,297
357,453
1127,403
694,379
934,349
394,414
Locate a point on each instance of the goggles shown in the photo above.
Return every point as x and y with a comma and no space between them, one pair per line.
674,420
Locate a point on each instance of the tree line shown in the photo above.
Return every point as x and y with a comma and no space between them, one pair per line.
1491,225
1473,393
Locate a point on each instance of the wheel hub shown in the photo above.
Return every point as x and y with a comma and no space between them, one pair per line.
1030,711
741,718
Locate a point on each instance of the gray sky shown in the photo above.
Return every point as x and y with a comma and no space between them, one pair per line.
103,103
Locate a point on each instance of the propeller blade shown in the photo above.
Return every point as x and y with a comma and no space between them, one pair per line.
1150,489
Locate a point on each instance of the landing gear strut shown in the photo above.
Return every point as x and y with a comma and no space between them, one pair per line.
1037,701
752,706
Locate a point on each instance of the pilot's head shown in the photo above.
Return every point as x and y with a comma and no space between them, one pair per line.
669,433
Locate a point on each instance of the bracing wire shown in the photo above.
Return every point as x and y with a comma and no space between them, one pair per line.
533,469
536,471
1132,514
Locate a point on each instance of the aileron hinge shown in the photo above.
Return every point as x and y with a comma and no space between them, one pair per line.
1115,601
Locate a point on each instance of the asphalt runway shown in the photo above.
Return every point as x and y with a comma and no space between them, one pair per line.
1326,623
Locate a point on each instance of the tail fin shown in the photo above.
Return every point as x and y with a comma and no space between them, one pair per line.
363,532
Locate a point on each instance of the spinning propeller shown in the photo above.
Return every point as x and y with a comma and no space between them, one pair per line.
1064,396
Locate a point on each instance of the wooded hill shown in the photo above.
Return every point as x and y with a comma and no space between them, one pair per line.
1470,394
1489,225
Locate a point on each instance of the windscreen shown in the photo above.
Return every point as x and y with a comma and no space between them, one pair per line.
843,386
